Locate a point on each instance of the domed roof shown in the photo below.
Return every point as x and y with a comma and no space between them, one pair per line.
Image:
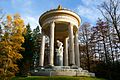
60,9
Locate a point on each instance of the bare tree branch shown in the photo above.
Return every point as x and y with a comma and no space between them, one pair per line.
110,12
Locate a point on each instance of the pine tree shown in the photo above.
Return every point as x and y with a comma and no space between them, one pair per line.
26,63
37,44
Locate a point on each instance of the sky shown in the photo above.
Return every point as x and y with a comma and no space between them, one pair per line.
31,10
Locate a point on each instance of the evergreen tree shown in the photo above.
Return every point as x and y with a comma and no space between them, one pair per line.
37,45
26,63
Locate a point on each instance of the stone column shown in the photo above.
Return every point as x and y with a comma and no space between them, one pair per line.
51,57
66,52
41,58
77,57
71,44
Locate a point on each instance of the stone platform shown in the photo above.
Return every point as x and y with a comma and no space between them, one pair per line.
60,71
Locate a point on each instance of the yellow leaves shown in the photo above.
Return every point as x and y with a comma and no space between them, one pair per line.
9,18
18,22
10,46
13,39
15,67
19,25
16,16
17,39
24,31
18,56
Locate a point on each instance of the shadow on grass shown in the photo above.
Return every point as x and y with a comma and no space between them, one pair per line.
55,78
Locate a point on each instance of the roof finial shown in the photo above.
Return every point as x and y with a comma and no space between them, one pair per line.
59,7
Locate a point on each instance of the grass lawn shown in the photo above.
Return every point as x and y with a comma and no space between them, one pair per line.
55,78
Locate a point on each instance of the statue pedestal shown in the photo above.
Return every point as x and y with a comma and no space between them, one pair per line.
59,58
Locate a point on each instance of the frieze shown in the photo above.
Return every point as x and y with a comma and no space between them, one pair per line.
61,18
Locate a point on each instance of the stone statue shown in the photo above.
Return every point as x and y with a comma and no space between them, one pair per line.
60,47
59,55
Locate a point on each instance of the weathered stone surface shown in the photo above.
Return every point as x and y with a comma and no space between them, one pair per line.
41,56
61,71
58,25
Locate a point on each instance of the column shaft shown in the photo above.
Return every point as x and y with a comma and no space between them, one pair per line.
66,52
51,57
77,57
71,44
41,57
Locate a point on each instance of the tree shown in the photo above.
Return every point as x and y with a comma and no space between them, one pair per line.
26,63
105,40
110,11
36,44
86,46
2,14
102,32
0,33
10,46
105,49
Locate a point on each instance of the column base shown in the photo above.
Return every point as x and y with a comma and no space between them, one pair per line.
50,65
72,65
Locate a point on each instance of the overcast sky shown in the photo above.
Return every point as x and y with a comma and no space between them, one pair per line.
30,10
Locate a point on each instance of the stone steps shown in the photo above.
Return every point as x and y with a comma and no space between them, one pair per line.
61,71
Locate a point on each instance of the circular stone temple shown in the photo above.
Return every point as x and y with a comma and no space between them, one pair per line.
61,26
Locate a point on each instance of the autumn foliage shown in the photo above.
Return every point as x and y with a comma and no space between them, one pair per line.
10,46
